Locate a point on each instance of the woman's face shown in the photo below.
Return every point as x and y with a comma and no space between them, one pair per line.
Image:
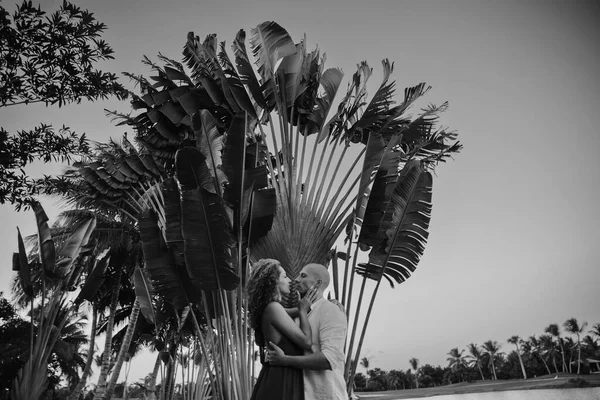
283,283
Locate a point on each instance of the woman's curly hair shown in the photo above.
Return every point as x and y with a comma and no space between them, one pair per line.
261,289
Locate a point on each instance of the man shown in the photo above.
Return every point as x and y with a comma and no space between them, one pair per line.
324,367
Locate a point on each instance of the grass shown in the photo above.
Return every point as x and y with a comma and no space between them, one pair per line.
554,381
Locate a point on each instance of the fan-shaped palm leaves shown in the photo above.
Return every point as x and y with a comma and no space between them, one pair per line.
475,357
234,166
456,360
492,350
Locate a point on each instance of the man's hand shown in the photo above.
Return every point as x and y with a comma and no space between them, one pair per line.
340,305
274,355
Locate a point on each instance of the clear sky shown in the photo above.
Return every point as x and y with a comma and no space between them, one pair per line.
514,242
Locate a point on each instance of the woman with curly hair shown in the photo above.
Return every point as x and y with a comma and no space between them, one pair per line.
271,322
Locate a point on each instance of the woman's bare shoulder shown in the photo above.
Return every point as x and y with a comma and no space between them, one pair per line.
274,307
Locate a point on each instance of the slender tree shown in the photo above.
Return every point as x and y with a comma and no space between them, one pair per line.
595,330
492,349
573,327
456,361
551,349
554,330
475,357
516,340
538,349
414,363
364,362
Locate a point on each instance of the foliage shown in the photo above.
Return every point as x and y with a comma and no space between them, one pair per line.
47,59
360,381
233,166
59,261
14,343
431,376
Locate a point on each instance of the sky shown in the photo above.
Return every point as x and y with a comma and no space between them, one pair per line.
514,244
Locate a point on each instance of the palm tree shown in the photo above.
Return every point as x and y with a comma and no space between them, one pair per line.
475,357
117,201
414,363
516,340
456,361
595,330
247,167
59,263
573,327
364,362
554,330
537,348
550,348
591,348
492,349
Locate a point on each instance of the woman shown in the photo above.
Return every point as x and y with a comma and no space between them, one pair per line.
273,323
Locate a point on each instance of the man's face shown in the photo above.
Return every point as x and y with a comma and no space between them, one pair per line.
306,279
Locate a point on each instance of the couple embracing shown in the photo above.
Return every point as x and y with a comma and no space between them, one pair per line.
302,361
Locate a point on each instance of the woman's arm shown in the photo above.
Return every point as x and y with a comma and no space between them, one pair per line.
280,320
293,312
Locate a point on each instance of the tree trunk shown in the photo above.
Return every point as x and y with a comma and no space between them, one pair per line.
90,357
522,365
152,380
578,354
562,350
554,362
135,312
570,361
545,364
481,372
169,379
494,370
102,379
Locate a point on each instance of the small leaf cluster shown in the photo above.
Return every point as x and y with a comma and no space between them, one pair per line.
51,59
41,143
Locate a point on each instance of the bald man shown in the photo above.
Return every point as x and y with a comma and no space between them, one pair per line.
324,366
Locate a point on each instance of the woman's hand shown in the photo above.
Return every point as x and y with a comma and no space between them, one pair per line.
309,298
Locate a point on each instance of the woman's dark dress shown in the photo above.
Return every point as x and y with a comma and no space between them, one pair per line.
280,383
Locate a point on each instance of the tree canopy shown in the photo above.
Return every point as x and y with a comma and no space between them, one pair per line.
50,59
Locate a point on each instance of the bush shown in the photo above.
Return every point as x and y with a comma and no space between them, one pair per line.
577,383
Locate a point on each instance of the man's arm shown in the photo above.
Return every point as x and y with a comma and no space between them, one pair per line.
276,356
332,334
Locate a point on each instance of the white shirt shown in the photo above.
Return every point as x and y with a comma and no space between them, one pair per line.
329,327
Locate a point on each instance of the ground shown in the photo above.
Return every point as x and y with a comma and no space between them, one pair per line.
543,382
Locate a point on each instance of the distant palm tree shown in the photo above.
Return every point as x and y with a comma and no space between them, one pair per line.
364,362
550,349
456,361
492,349
595,330
570,346
516,340
538,349
553,330
572,326
475,357
591,347
414,363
